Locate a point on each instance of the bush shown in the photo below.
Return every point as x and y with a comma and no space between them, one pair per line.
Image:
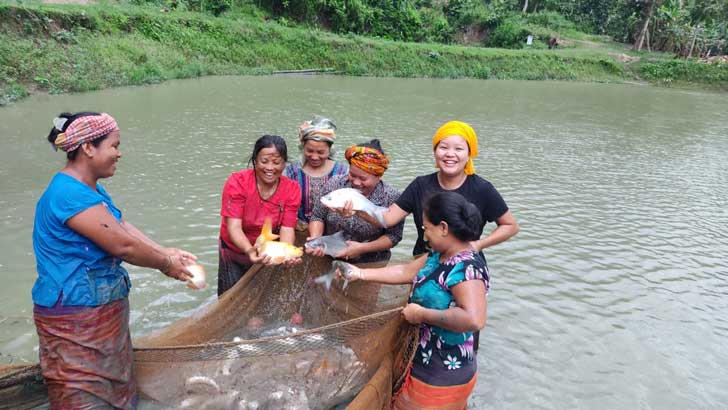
511,33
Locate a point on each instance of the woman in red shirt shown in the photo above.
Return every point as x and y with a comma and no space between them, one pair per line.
250,197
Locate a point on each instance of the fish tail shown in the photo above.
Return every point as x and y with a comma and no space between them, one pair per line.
266,234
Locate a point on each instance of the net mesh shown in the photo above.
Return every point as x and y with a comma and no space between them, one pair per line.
352,348
218,359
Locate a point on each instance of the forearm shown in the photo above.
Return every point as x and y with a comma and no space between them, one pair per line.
396,274
500,234
454,319
136,232
391,275
288,235
140,253
315,229
383,243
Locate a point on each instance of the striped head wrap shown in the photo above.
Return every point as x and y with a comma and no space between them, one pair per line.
368,159
83,129
463,130
318,129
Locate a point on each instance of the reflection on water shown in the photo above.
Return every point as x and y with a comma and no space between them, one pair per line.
614,294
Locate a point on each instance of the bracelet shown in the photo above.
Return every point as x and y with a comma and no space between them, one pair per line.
165,268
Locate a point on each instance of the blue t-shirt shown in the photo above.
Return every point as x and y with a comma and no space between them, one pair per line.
67,262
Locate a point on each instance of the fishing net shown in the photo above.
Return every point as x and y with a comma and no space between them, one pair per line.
242,352
352,348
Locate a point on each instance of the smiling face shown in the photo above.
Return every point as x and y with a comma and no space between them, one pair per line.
269,165
451,155
434,235
105,156
362,180
316,153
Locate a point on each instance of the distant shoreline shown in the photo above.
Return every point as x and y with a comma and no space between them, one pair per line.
59,48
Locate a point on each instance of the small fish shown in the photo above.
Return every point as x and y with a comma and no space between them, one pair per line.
338,269
332,244
279,252
198,279
338,198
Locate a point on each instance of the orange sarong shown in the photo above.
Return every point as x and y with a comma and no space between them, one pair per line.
418,395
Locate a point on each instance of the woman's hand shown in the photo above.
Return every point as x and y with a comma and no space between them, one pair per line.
187,258
352,251
348,271
293,261
256,257
316,251
176,268
413,313
347,211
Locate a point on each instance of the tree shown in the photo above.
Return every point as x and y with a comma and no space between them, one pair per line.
648,10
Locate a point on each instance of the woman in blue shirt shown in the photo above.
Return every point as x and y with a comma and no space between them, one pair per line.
448,302
81,310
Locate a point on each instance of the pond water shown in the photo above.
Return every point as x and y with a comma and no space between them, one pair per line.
614,294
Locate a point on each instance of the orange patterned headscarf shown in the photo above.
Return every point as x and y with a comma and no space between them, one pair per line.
85,129
368,159
463,130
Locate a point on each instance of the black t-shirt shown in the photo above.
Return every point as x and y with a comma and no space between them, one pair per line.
475,189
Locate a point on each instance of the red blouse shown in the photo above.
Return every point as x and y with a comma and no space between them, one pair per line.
240,200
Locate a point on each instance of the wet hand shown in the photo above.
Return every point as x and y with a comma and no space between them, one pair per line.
347,211
177,269
348,271
186,257
352,251
315,251
293,261
413,313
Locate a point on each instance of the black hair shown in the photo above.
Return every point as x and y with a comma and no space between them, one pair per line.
462,217
267,141
71,155
372,144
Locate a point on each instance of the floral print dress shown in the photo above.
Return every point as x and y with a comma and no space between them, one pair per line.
445,358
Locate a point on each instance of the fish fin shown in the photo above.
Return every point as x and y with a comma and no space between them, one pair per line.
325,280
266,234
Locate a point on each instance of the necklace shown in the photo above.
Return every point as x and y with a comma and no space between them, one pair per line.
265,195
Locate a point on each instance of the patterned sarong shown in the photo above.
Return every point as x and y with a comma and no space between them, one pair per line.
418,395
231,268
86,356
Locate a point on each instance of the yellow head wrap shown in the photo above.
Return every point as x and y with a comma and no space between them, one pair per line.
463,130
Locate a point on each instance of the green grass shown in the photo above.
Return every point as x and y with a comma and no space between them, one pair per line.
66,48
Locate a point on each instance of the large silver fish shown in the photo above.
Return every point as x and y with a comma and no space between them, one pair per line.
331,244
337,199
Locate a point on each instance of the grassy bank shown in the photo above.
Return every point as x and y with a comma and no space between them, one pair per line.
81,48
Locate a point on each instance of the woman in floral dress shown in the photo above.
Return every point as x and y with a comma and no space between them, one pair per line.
448,302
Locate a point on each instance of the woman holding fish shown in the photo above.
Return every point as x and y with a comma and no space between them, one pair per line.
316,138
454,146
249,199
448,301
365,242
81,307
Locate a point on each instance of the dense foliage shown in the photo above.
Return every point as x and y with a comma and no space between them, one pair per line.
685,27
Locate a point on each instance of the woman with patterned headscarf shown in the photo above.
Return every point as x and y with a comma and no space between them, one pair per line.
316,138
365,242
81,307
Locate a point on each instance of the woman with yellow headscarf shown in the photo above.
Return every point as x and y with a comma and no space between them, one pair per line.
454,146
